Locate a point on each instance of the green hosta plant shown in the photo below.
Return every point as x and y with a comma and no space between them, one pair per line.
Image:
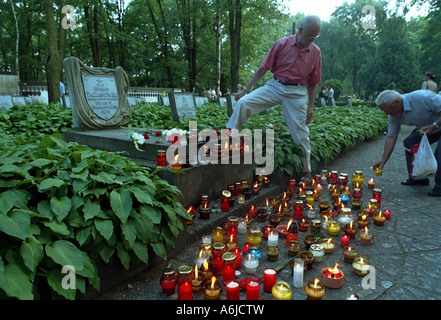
62,204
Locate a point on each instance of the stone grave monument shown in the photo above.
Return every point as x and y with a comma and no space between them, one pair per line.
98,96
182,105
231,104
6,101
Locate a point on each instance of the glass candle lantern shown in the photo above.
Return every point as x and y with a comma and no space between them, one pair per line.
356,193
349,254
303,225
266,182
298,209
161,160
316,226
315,290
333,228
233,290
317,251
308,259
204,211
242,227
252,211
298,271
237,188
185,291
350,230
232,226
192,212
229,267
376,194
309,240
345,216
361,266
225,201
254,236
357,178
363,221
333,177
281,291
311,211
247,193
206,270
250,262
262,214
293,247
197,280
269,279
212,289
274,219
218,234
272,252
219,249
366,236
309,197
168,281
238,253
323,206
267,229
328,245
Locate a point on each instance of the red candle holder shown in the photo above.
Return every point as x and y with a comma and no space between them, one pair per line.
168,281
225,201
269,279
387,214
332,277
344,239
233,290
238,253
246,247
161,160
267,229
303,225
298,209
229,267
253,290
252,211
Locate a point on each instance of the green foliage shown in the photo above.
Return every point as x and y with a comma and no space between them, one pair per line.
65,204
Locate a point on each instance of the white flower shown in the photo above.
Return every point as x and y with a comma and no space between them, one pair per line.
138,138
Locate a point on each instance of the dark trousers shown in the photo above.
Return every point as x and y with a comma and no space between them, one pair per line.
414,138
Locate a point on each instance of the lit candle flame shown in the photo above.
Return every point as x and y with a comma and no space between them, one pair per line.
176,158
329,241
196,272
231,238
350,225
361,260
280,208
205,264
326,218
289,224
213,280
365,230
334,270
316,281
200,253
267,203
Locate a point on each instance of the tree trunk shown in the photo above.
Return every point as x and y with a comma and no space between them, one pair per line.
54,60
235,25
17,39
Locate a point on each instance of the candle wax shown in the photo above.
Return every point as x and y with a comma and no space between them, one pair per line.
233,290
185,291
253,290
269,279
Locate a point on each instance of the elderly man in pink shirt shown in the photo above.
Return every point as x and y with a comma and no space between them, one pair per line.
296,64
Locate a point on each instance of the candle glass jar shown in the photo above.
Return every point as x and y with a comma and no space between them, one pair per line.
357,178
229,267
225,201
266,182
252,211
317,251
251,262
218,234
350,230
363,221
185,283
303,225
333,228
254,236
204,211
242,227
281,291
309,197
323,206
298,209
274,219
168,281
314,290
349,254
247,193
308,259
376,194
316,226
356,204
269,279
379,218
272,252
328,245
361,266
232,226
161,160
212,290
219,249
261,214
365,236
293,247
266,230
311,212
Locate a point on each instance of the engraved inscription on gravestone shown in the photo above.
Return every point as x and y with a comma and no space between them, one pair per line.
182,105
101,95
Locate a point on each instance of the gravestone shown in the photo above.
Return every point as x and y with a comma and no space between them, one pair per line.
98,96
19,100
9,83
182,105
200,101
165,101
231,104
6,101
223,101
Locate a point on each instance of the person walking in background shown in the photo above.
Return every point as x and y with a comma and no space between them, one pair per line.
421,108
429,84
296,64
331,100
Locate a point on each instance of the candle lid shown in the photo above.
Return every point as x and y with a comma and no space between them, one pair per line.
226,193
233,219
161,152
316,247
218,245
228,256
184,270
168,273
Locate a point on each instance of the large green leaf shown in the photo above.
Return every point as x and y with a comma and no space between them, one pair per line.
15,224
60,206
32,253
50,183
121,204
16,283
141,251
91,209
105,227
65,253
159,249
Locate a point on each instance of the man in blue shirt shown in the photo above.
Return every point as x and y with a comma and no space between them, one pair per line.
421,108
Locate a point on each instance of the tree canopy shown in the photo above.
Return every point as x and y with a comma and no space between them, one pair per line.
215,43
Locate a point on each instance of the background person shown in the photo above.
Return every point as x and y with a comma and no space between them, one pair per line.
429,84
421,108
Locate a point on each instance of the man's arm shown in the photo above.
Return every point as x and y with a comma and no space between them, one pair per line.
260,72
389,146
312,89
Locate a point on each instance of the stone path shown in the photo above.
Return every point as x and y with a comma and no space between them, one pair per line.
405,251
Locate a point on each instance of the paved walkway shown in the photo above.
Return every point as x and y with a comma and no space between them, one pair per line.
405,251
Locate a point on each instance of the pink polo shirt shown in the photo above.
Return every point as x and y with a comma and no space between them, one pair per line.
288,63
